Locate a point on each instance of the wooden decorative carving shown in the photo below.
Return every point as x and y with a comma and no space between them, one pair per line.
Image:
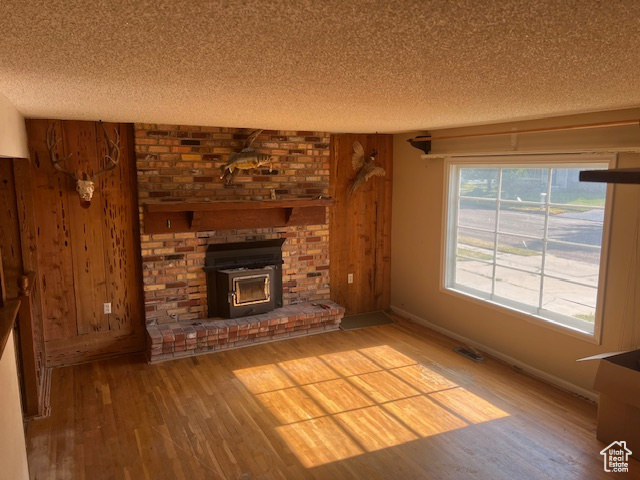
24,285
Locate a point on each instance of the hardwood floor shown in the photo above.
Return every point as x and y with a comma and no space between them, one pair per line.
379,403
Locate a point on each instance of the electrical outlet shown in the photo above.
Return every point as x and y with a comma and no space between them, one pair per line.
350,278
106,308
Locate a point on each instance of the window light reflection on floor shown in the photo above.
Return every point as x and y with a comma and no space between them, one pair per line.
340,405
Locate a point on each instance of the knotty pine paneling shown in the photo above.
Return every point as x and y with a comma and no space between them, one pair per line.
360,226
17,242
85,235
28,240
51,196
9,228
87,256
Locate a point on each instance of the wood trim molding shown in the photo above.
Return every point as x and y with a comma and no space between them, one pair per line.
3,288
8,315
31,387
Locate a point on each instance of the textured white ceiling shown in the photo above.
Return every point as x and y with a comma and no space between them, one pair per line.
334,65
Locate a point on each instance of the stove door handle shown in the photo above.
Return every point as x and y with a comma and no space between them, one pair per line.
267,289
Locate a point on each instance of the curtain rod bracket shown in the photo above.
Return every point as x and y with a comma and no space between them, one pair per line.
424,145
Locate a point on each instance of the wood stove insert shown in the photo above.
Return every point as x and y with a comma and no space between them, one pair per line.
244,278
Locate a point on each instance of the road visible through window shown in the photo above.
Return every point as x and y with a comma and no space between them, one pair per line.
527,237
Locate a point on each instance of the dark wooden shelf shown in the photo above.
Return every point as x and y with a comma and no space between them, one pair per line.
186,216
616,175
237,205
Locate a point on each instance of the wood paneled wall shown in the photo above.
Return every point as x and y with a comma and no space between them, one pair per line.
87,256
360,226
17,242
9,228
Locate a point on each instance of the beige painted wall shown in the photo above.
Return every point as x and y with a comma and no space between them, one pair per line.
13,456
417,249
13,135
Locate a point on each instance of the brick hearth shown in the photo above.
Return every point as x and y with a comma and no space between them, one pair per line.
181,339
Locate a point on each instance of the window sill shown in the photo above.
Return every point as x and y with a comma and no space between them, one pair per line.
522,315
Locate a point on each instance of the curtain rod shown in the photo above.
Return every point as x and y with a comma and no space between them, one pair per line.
428,138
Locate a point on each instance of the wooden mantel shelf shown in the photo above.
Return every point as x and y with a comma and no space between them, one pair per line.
185,216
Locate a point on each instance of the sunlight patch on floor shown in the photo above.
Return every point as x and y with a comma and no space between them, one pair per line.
337,396
340,405
473,408
319,441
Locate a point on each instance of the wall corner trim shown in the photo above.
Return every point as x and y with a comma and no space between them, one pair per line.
13,132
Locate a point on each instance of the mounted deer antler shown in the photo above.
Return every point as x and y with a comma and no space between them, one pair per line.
114,151
85,185
52,142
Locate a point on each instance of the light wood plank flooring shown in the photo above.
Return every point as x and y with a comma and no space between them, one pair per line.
379,403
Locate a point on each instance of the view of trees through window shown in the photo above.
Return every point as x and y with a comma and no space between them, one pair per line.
528,237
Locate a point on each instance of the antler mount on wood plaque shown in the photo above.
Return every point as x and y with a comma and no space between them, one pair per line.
85,182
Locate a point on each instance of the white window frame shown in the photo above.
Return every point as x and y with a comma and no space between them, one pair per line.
515,160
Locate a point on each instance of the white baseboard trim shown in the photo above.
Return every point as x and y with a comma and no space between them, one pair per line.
559,382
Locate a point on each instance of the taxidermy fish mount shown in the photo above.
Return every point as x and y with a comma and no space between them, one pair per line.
365,168
246,159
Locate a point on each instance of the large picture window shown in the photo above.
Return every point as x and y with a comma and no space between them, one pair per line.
526,234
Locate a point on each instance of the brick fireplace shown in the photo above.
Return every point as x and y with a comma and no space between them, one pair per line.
179,166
